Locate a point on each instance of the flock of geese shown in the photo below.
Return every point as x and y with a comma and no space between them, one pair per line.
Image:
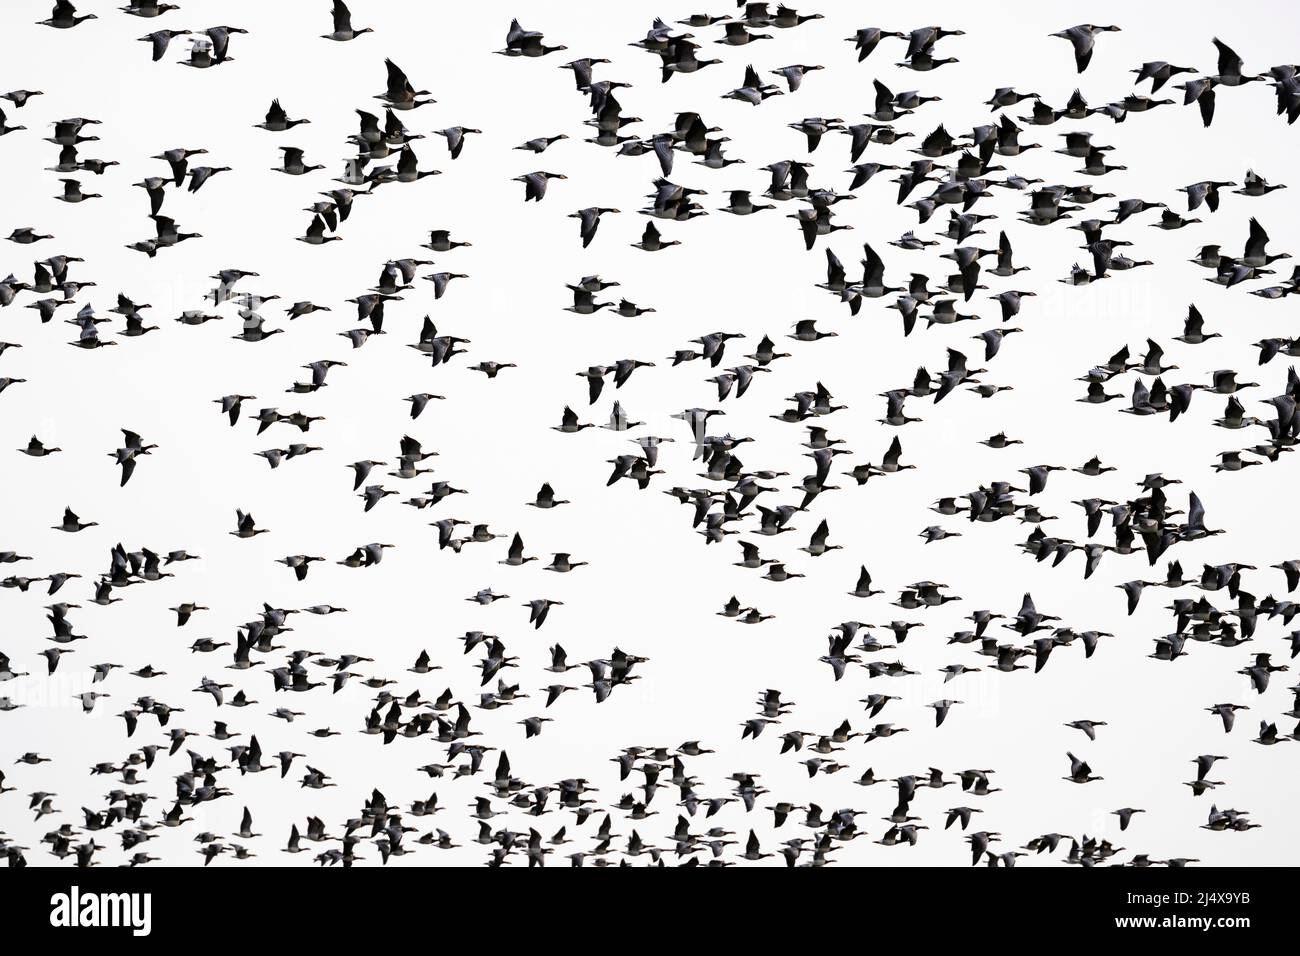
697,803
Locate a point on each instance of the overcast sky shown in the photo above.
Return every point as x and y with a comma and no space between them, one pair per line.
652,586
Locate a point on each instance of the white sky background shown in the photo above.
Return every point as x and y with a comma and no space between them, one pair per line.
652,587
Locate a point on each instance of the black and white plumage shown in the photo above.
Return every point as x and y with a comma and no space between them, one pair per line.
1027,580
